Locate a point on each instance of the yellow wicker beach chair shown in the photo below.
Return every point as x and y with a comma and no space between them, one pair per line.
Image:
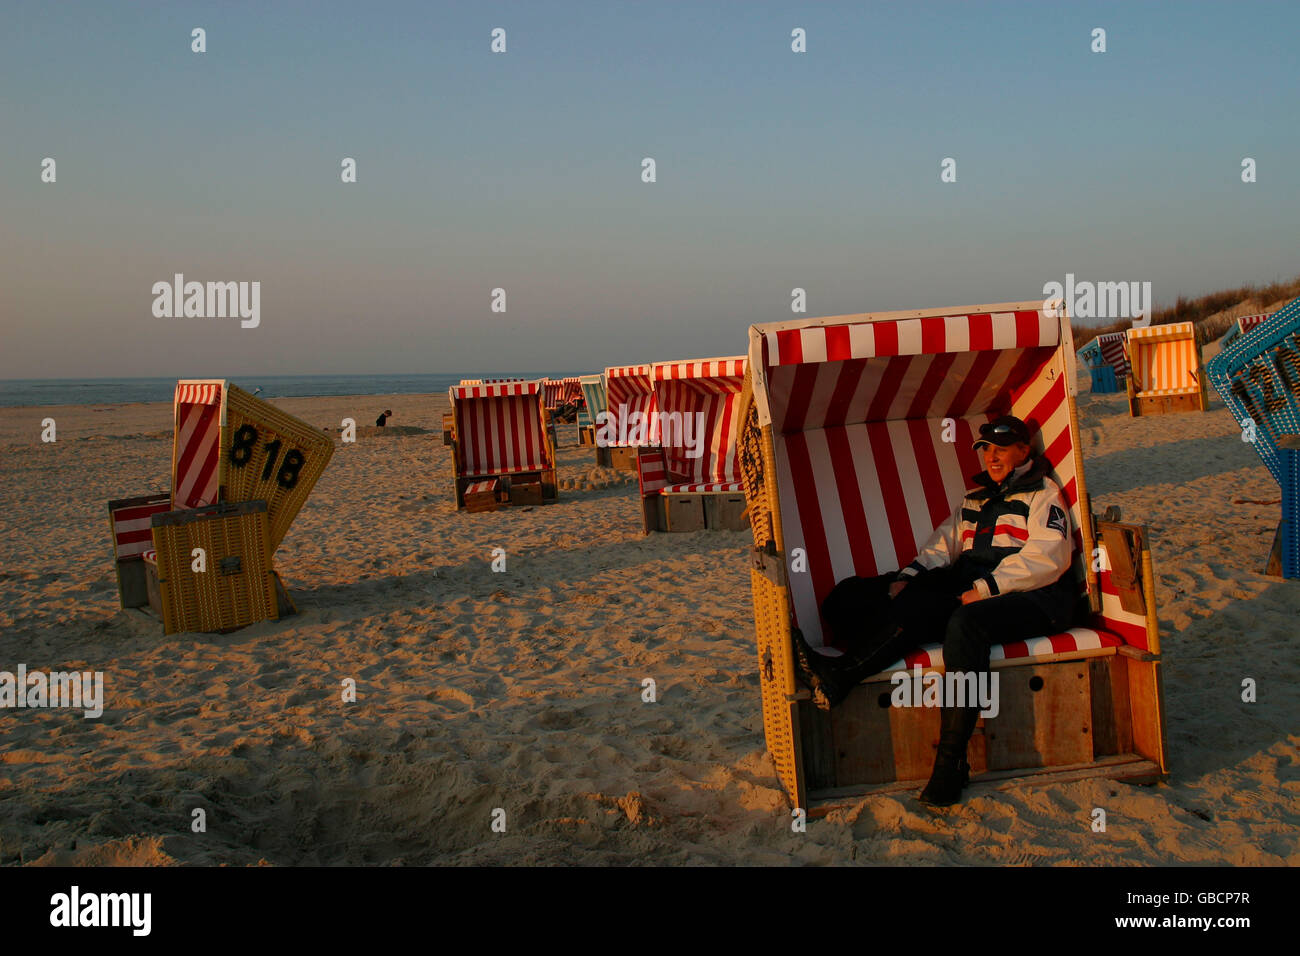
205,568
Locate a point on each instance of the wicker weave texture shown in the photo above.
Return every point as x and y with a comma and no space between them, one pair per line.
771,600
282,464
219,598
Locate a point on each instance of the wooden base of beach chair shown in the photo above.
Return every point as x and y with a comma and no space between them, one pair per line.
482,496
1166,404
1085,716
587,435
706,511
236,586
526,492
726,511
130,526
624,459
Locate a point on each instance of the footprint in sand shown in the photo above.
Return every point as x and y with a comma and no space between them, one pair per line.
456,700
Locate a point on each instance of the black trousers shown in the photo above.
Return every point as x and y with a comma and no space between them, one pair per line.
876,630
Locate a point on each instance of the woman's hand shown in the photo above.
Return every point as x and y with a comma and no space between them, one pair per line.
971,596
896,587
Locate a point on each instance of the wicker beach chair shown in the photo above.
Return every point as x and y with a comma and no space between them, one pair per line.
1166,372
1106,362
1258,377
501,433
591,389
241,471
855,444
1242,325
680,491
630,404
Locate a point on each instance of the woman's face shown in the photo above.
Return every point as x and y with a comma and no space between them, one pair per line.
1002,460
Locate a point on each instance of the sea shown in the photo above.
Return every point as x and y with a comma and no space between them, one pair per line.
114,391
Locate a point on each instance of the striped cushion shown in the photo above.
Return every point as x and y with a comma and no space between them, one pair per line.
651,475
479,487
702,487
1077,641
151,556
132,534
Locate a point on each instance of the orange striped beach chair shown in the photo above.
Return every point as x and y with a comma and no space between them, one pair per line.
1166,371
855,444
501,445
241,471
692,481
630,421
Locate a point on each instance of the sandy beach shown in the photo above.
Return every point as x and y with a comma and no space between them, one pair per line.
522,690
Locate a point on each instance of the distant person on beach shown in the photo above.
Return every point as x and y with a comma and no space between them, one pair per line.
996,571
383,418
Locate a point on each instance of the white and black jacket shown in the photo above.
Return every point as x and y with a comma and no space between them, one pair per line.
1010,537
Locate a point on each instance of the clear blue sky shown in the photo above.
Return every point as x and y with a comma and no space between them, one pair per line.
522,170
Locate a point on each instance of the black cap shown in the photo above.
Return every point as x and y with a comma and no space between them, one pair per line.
1003,431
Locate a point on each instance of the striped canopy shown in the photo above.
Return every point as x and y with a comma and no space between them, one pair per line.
500,429
199,413
1244,324
706,391
1164,359
873,417
560,391
630,392
593,398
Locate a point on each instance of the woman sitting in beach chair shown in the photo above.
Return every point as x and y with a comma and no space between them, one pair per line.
997,570
860,434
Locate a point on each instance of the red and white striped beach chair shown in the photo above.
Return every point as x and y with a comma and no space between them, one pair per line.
562,391
693,480
856,444
1112,352
131,523
501,431
630,422
1242,325
1166,373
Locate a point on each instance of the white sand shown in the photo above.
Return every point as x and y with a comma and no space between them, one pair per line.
523,690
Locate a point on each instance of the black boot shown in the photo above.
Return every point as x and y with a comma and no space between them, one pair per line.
951,771
819,672
833,678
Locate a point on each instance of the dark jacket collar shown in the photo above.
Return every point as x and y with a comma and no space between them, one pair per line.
1028,477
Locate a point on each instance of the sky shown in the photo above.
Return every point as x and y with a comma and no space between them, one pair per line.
522,171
